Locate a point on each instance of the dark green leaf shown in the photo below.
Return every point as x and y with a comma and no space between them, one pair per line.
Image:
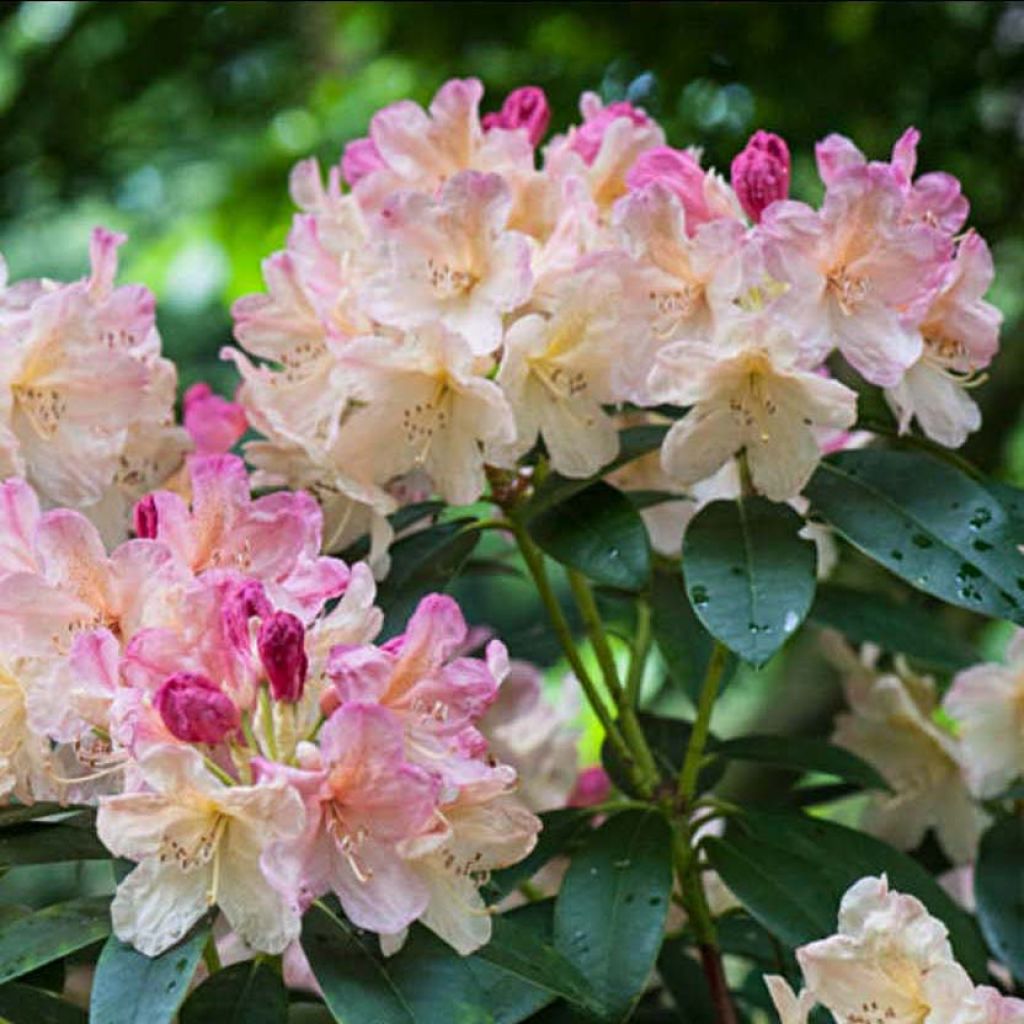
251,992
130,988
804,754
899,628
423,562
598,532
684,643
19,813
749,575
561,829
999,891
668,739
45,936
610,912
22,1004
684,978
790,872
634,442
1011,498
927,522
46,843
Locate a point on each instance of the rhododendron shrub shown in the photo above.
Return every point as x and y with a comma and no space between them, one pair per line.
698,416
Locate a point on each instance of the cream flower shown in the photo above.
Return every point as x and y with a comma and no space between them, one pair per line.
987,702
749,393
198,844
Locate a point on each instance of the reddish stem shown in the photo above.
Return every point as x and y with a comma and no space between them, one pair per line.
711,960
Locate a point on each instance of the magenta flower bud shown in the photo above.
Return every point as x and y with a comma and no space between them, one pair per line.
195,709
145,517
526,107
282,646
760,173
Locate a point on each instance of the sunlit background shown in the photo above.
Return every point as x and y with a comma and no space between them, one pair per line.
178,123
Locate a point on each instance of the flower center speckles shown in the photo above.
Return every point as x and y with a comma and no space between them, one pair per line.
189,856
298,362
873,1012
45,407
422,422
447,281
673,306
348,842
848,289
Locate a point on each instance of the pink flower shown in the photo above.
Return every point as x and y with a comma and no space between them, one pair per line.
361,157
361,797
281,643
760,173
526,107
587,138
592,787
195,709
213,423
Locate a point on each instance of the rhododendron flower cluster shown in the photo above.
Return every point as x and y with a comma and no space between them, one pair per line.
449,299
214,685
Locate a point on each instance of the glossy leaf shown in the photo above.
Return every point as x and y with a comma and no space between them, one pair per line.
899,628
611,909
19,813
749,575
251,992
49,843
804,754
790,872
683,976
927,522
668,739
23,1004
684,643
50,934
634,442
598,532
130,988
999,891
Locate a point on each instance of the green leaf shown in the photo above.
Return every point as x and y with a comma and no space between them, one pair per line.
999,891
423,562
46,843
428,982
927,522
50,934
610,912
749,575
668,739
899,628
598,532
684,643
790,871
20,813
560,830
23,1004
634,442
684,978
130,988
251,992
804,754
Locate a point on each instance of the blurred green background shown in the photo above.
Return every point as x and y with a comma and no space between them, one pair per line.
178,123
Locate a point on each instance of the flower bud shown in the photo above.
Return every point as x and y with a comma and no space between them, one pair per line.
195,709
760,173
282,646
527,108
145,517
592,787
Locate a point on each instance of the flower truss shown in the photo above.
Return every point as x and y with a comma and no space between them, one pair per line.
721,411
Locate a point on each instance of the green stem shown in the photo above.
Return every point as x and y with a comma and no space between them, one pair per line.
649,777
690,771
268,722
535,564
641,648
210,955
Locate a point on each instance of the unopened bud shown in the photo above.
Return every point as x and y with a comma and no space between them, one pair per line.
146,518
760,173
282,647
195,709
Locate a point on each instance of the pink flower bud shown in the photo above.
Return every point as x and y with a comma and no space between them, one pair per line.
361,157
592,787
145,517
527,108
586,139
760,173
194,709
246,602
282,647
213,423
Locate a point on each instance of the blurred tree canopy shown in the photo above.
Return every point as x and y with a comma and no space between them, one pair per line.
178,122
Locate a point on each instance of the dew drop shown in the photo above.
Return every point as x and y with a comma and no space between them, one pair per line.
979,518
699,596
981,545
921,540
